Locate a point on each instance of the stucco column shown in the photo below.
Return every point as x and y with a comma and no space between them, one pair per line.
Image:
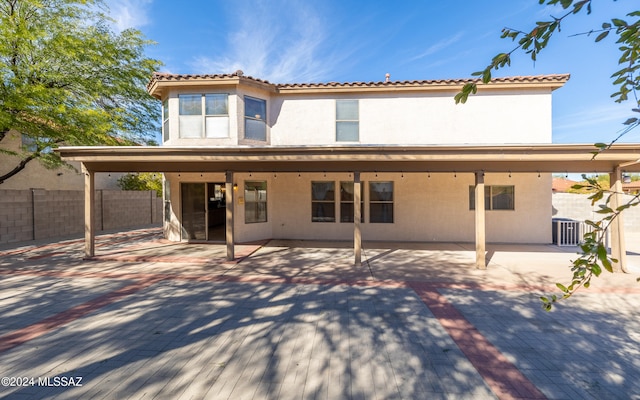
357,234
480,221
229,214
618,246
89,212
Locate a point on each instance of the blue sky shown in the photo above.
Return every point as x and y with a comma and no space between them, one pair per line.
350,40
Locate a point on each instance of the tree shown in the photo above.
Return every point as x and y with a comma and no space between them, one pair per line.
141,181
593,256
65,77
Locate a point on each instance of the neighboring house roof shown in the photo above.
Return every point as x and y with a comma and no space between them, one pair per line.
159,80
631,186
561,185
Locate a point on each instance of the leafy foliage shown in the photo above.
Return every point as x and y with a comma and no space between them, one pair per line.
142,181
65,77
593,258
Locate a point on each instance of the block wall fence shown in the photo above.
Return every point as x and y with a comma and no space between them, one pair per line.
41,214
578,207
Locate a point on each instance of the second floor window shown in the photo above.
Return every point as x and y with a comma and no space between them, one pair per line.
204,116
255,119
165,120
347,121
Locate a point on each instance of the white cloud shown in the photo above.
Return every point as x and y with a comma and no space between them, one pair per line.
436,47
129,13
277,42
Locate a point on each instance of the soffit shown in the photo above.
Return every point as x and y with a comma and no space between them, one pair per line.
517,158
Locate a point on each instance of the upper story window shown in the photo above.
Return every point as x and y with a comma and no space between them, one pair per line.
165,120
204,115
255,119
347,121
495,198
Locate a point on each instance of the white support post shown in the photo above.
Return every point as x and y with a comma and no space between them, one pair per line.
357,234
480,221
89,212
618,245
229,215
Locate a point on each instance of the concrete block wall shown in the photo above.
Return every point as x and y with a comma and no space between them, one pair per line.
578,207
16,215
40,214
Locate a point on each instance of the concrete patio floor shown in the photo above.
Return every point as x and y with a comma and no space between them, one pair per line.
295,319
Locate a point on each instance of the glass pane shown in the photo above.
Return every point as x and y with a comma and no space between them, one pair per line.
165,130
347,131
256,130
193,211
346,212
323,212
381,191
217,127
346,191
347,110
472,197
255,108
190,126
503,197
322,191
255,212
381,212
165,110
191,105
216,104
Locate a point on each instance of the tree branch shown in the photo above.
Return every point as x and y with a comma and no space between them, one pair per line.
18,168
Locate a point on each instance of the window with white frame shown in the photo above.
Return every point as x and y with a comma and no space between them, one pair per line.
255,201
323,202
204,115
347,121
381,202
165,120
495,197
255,119
346,202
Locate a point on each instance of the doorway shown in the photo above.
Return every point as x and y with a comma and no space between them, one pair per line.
203,211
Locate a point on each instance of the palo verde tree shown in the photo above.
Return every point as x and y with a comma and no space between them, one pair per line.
67,78
593,258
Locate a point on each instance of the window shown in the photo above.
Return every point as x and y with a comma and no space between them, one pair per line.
165,120
346,202
255,125
255,202
347,121
204,116
323,202
381,202
495,198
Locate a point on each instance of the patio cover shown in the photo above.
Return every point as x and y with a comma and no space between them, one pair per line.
477,159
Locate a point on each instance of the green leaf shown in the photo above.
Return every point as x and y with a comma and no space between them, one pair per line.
562,287
602,35
618,22
630,121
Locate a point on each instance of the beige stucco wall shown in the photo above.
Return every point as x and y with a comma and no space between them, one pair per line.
426,209
419,119
37,176
413,118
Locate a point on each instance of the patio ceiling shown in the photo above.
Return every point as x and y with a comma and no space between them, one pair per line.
363,158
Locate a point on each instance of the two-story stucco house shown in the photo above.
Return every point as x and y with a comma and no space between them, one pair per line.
245,159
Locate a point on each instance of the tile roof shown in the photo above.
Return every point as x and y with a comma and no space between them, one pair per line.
554,79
